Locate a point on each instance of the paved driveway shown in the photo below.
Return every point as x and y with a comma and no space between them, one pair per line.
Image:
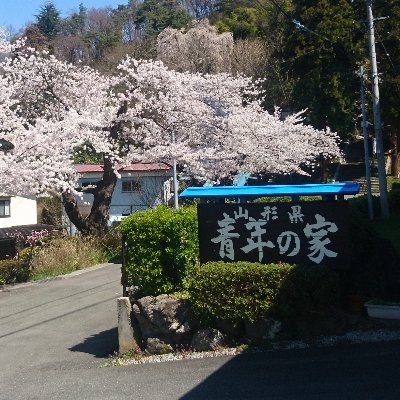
54,337
57,325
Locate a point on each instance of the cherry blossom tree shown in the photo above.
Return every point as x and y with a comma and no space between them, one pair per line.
50,109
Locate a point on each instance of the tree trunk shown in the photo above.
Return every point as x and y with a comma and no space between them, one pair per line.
324,167
99,214
96,223
395,139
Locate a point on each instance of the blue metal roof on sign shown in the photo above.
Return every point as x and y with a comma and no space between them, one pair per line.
325,189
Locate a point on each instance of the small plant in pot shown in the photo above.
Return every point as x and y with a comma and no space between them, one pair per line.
379,308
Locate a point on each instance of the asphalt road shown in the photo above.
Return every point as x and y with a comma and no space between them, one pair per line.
55,336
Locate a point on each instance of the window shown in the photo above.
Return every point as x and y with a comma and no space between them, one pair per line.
89,183
4,208
131,185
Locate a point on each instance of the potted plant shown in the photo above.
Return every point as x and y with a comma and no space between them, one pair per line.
378,308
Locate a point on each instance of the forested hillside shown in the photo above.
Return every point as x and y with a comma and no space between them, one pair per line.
308,52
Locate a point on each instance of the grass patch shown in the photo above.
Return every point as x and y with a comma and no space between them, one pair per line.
389,230
59,255
117,360
64,255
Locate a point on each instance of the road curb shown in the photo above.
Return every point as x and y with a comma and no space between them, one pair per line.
8,288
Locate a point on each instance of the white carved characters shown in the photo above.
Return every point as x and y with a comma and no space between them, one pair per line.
288,243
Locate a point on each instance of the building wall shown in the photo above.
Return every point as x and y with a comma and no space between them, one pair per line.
22,212
155,189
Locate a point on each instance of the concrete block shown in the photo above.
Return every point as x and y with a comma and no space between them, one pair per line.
126,334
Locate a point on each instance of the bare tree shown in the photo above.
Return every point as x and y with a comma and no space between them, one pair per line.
71,49
35,38
131,29
100,20
144,49
200,49
250,57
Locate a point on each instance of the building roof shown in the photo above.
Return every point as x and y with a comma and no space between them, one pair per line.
83,168
325,189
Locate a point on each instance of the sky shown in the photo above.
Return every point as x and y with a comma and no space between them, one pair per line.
19,12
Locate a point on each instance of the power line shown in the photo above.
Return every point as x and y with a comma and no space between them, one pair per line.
301,27
386,52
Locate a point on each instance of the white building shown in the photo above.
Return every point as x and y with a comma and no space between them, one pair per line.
17,210
141,186
18,214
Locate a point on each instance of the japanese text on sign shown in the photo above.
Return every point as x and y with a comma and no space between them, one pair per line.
312,232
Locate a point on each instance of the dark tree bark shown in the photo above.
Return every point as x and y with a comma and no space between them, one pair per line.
395,139
96,223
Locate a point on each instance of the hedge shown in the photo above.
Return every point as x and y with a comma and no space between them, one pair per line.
15,270
244,292
162,248
375,265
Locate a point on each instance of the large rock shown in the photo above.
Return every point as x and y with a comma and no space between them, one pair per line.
230,328
262,330
157,346
164,317
207,339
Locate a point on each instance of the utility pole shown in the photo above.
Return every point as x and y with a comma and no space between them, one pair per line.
366,154
175,183
377,115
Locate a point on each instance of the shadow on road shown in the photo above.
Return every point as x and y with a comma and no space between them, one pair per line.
100,345
349,372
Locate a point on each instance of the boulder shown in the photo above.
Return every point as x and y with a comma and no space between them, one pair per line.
230,328
262,330
157,347
207,339
164,317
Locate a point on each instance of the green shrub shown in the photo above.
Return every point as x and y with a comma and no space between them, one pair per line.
311,288
375,264
49,210
162,248
111,244
393,183
396,186
273,199
394,200
235,292
13,271
359,205
243,291
284,199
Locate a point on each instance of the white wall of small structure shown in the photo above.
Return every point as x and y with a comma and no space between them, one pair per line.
23,211
155,190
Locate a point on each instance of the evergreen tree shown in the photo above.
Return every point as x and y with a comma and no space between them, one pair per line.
48,20
324,47
387,36
156,15
75,23
242,22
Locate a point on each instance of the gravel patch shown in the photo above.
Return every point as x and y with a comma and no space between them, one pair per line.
352,337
